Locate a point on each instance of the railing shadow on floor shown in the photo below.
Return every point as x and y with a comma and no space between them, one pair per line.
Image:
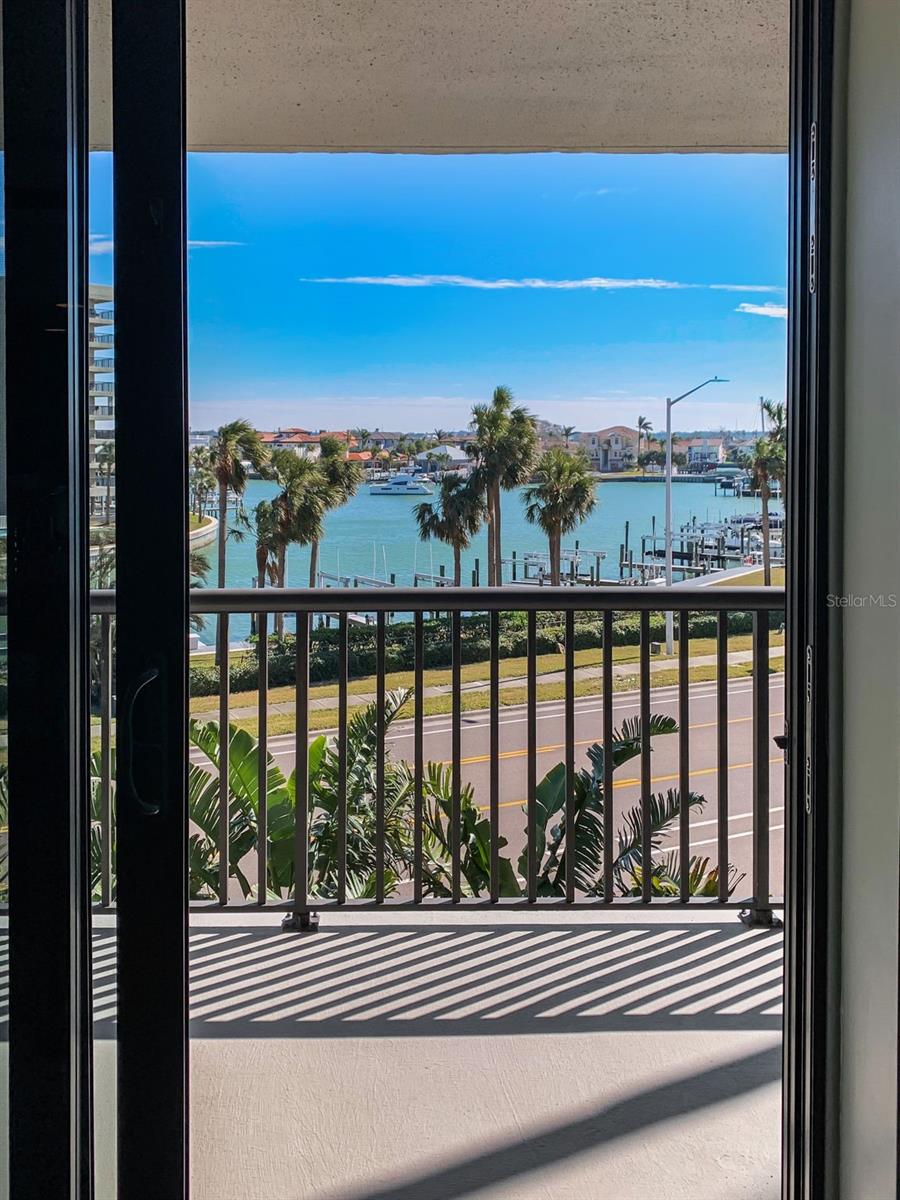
554,1145
365,981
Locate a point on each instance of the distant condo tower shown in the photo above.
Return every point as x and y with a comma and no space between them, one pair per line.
101,401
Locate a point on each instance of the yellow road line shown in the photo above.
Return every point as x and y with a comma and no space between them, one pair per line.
549,749
624,783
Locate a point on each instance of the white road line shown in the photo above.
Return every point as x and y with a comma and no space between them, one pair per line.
744,833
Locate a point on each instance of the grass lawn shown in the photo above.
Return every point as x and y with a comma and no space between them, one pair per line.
754,579
510,668
326,718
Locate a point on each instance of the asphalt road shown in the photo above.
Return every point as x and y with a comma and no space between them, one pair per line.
588,728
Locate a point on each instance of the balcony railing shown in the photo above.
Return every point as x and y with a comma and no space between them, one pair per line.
431,840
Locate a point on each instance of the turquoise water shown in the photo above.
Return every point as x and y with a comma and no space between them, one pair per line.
376,535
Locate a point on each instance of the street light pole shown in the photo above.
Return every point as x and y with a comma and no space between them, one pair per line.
670,404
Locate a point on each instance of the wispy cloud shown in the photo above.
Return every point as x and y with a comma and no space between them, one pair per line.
102,243
593,283
745,287
764,310
194,244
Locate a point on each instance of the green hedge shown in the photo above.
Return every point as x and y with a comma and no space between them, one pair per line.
400,650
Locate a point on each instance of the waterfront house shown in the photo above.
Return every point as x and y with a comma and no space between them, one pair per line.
612,449
703,453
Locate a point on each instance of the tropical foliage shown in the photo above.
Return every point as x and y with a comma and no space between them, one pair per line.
558,849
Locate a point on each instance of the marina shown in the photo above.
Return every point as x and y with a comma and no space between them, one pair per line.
369,544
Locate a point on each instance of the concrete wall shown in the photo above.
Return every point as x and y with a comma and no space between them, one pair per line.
871,670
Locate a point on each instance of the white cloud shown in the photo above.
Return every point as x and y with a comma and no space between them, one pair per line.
202,245
744,287
102,243
764,310
591,283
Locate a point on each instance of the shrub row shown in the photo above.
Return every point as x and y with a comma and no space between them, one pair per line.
400,652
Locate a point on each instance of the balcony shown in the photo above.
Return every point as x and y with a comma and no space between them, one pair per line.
469,1005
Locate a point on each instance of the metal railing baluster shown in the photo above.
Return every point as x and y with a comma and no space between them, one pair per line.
456,755
379,757
262,825
722,753
761,912
531,784
608,798
301,769
684,757
495,755
571,830
646,845
224,766
343,672
106,803
419,755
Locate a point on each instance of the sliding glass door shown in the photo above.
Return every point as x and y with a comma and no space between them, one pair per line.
94,550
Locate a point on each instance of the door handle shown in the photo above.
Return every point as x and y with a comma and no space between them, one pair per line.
132,692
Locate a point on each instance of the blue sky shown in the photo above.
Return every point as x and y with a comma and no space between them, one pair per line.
396,290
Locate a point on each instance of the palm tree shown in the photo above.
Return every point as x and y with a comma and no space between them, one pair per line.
567,431
265,520
202,478
559,499
440,436
361,437
232,445
339,480
455,519
503,451
645,428
299,511
776,411
767,464
106,459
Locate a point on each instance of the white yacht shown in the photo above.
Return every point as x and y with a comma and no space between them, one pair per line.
401,485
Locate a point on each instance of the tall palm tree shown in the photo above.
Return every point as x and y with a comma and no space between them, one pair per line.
767,464
265,520
560,497
299,510
440,436
567,431
502,450
645,428
340,479
776,412
455,519
106,460
232,445
202,478
361,437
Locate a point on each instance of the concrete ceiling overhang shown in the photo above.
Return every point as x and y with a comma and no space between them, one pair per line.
478,75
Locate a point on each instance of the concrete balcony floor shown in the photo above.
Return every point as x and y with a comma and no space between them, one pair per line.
433,1057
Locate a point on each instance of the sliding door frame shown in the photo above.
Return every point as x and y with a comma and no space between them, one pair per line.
151,596
812,909
46,413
